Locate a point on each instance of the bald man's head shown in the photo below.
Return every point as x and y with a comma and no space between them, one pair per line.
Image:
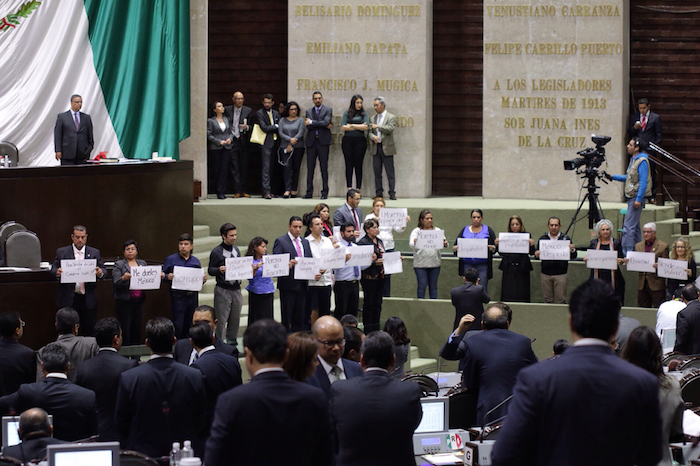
331,340
494,317
34,423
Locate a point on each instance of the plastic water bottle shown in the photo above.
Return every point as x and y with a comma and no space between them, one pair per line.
175,454
187,451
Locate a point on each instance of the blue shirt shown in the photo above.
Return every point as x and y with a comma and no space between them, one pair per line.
178,260
643,171
259,284
347,274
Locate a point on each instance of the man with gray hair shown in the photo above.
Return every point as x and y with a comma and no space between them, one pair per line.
35,432
651,290
383,148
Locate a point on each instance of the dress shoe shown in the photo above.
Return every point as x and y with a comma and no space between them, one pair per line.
267,196
245,195
392,197
285,196
236,196
324,197
220,196
293,196
307,196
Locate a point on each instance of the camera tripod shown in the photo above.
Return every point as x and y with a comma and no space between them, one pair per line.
595,210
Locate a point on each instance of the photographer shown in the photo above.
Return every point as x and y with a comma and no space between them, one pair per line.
637,187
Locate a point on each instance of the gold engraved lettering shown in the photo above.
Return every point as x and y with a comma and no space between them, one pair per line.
333,47
385,47
529,102
388,10
547,123
396,85
521,10
322,10
590,10
505,48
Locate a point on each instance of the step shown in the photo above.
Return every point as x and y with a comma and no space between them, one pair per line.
200,231
414,353
422,365
206,244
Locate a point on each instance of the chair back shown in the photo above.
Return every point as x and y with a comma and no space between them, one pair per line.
462,408
690,388
428,385
8,228
9,149
23,249
9,461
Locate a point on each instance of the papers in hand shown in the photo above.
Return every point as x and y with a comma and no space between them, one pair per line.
392,263
145,277
558,250
473,248
239,268
187,278
515,243
276,265
78,271
430,239
598,259
641,261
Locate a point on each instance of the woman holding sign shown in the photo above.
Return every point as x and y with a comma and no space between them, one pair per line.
477,230
681,251
426,261
605,242
261,290
386,234
318,298
372,277
516,267
128,302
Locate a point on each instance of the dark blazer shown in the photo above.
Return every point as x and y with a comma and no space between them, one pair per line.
101,375
159,403
491,361
71,143
285,245
183,350
394,409
468,299
585,407
688,329
273,406
66,291
651,132
121,288
215,135
72,406
343,215
320,378
267,127
17,365
34,449
319,126
244,119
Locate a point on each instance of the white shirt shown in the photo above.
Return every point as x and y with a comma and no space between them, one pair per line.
325,243
666,315
380,120
591,342
385,233
327,367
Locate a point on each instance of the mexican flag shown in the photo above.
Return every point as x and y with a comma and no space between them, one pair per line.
128,59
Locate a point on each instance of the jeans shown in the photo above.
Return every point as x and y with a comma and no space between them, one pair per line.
483,270
631,231
427,277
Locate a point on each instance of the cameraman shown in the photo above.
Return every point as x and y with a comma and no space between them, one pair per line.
637,187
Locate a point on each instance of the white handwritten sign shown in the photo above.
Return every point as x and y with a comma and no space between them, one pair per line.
640,261
669,268
393,218
392,263
276,265
307,268
598,259
359,256
239,268
187,278
430,239
145,277
473,248
78,271
518,243
555,250
336,232
333,258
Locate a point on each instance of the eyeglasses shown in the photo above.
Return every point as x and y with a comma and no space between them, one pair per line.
332,343
679,247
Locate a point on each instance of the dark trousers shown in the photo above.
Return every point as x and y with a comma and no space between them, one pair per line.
354,149
267,154
319,299
646,297
260,306
238,166
347,298
129,315
291,170
86,315
314,151
182,304
221,160
75,161
380,158
294,315
372,304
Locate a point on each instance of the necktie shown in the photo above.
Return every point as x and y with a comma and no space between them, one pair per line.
77,123
298,248
644,122
80,287
354,216
335,370
272,122
236,122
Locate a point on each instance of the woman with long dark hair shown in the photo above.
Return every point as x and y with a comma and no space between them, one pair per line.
302,361
261,290
354,123
426,262
128,302
219,135
516,267
477,230
372,277
396,328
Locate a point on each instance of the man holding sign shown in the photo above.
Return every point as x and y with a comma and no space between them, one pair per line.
651,289
554,271
80,296
228,299
182,302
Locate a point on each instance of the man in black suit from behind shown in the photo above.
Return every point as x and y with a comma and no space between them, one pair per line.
72,135
35,431
239,116
80,296
469,298
183,351
293,292
17,362
271,406
268,119
101,375
72,406
688,322
221,371
159,402
393,406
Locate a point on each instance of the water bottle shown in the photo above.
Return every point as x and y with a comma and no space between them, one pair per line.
187,451
175,454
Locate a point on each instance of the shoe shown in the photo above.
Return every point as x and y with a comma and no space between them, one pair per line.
236,196
293,196
307,196
324,197
267,196
285,195
245,195
392,197
220,196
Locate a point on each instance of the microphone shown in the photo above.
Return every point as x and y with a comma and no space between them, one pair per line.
491,411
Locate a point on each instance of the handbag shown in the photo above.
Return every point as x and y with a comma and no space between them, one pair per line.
258,135
282,157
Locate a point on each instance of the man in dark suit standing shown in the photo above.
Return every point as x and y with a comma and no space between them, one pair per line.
646,125
101,375
160,402
688,322
17,362
272,404
350,212
469,298
80,296
239,116
587,406
268,119
318,141
331,345
72,406
393,406
293,292
35,431
382,147
183,351
72,135
490,360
